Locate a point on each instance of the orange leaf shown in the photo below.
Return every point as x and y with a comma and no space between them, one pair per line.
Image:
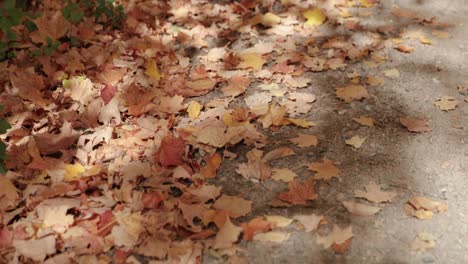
299,192
415,125
171,151
212,165
256,225
325,170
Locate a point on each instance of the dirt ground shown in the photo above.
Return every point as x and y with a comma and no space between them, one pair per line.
431,164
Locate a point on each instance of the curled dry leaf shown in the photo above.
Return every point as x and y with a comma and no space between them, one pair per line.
171,151
299,192
235,206
365,121
360,209
352,92
446,103
278,220
211,166
423,207
375,194
324,170
48,143
304,140
415,125
278,153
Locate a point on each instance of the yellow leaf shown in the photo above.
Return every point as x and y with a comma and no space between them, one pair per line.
73,171
366,3
425,40
194,109
355,141
300,122
152,70
251,60
315,17
365,121
270,19
285,175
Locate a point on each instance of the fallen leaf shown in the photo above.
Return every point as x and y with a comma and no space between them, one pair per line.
235,206
365,121
360,209
199,87
73,171
315,17
423,207
375,194
425,40
171,151
392,73
367,3
278,220
211,166
351,92
255,226
446,103
50,26
342,247
48,143
415,125
299,192
152,70
375,81
304,140
35,249
8,194
278,153
285,175
423,242
269,19
236,86
355,141
300,122
254,61
194,109
324,170
441,34
108,92
310,222
227,235
272,236
337,236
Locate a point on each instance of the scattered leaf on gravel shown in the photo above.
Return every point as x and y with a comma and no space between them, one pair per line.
278,220
392,73
299,192
310,222
285,175
235,206
415,125
423,242
355,141
352,92
227,235
278,153
324,170
365,121
315,17
423,207
337,236
304,140
360,209
375,194
255,226
446,103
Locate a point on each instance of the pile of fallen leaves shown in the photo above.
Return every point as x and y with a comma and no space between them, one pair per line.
113,141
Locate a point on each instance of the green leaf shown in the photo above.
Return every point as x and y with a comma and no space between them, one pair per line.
31,26
4,126
73,13
2,169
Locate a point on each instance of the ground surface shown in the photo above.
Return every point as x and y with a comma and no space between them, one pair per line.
129,167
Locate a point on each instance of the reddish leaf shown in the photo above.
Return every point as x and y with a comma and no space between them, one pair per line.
256,225
105,224
108,93
6,238
171,151
152,200
299,192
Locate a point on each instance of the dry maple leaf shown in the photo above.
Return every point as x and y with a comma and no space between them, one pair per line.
50,25
355,141
352,92
171,151
29,85
256,225
236,86
423,207
310,222
285,175
337,236
324,170
8,194
365,121
299,192
48,143
446,103
234,205
360,209
415,125
304,140
211,166
227,235
375,194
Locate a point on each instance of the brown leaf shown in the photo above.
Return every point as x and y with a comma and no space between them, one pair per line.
29,85
352,92
360,209
227,235
324,170
256,225
211,167
171,151
304,140
423,207
375,194
365,121
299,192
50,25
236,86
446,103
234,205
415,125
278,153
310,222
48,143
